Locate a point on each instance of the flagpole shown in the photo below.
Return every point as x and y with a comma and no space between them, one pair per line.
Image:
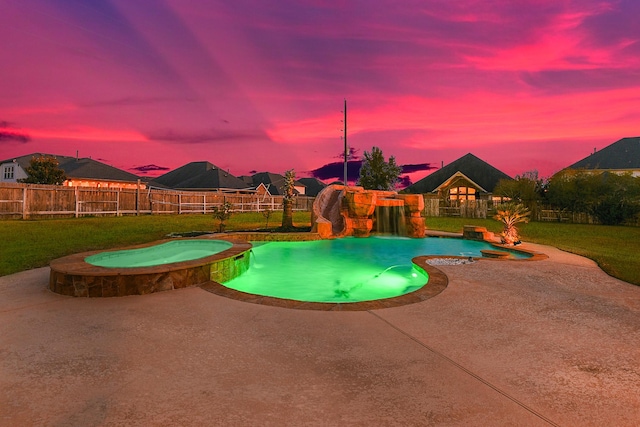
346,154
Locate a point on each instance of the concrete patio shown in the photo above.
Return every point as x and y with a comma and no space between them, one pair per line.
551,342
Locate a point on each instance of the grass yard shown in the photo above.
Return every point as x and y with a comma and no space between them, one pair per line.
32,244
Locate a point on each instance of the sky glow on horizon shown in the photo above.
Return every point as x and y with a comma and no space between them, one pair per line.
259,86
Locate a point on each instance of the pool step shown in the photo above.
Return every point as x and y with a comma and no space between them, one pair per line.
490,253
473,232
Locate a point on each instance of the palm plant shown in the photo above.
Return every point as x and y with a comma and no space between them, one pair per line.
287,200
511,214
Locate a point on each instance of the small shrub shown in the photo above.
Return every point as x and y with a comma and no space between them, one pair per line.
267,214
222,213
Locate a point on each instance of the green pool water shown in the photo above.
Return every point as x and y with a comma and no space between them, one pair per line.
344,270
164,253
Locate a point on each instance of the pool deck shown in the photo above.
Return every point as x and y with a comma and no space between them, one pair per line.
550,342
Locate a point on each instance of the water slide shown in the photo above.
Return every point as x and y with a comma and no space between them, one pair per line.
326,210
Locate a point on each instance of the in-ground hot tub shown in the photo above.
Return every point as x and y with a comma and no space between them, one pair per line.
153,267
163,253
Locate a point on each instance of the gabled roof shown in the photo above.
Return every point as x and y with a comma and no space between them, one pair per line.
476,170
314,186
273,181
247,179
622,154
199,175
81,168
453,178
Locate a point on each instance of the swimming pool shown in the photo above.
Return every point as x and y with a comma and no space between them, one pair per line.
345,270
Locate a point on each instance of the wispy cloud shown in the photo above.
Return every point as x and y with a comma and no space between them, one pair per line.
207,136
132,101
8,133
149,169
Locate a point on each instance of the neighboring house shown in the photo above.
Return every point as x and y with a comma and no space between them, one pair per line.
12,171
80,172
313,186
200,176
622,156
274,183
467,178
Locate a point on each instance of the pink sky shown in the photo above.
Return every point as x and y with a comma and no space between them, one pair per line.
251,85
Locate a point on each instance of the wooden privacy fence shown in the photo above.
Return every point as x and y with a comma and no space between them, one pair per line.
46,201
555,215
463,209
486,209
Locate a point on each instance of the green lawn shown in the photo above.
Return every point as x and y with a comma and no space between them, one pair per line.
32,244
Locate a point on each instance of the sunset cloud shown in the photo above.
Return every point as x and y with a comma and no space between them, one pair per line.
206,136
254,85
7,133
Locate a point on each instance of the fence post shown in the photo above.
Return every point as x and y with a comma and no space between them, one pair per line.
179,203
76,194
118,202
25,212
138,199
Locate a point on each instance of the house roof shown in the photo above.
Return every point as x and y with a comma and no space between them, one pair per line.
622,154
478,171
247,179
314,186
81,168
199,175
273,181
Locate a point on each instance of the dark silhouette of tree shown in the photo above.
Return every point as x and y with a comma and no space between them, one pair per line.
376,173
611,198
44,170
527,189
352,154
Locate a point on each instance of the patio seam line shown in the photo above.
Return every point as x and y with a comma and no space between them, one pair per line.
22,307
467,371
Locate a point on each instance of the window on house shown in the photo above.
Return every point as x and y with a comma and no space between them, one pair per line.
462,193
8,172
